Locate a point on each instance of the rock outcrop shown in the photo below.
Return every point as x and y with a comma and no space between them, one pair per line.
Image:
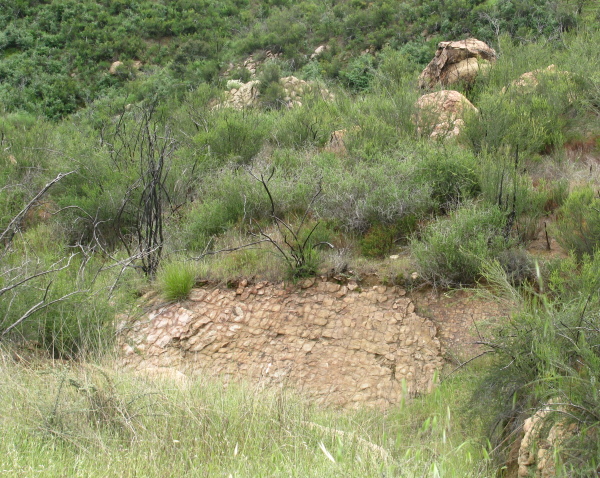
243,96
457,62
528,82
542,433
337,144
334,343
114,67
319,51
441,114
295,90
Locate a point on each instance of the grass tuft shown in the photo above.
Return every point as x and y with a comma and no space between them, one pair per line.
176,279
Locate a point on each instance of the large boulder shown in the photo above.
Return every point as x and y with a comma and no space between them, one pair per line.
441,114
457,61
336,143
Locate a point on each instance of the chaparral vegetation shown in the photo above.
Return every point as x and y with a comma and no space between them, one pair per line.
154,146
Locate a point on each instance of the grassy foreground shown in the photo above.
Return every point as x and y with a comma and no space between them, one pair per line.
88,420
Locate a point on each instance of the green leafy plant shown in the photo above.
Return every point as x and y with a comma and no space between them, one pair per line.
380,238
452,176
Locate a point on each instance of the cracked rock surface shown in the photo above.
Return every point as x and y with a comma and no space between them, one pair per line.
338,346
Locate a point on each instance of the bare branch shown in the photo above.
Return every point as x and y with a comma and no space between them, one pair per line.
39,306
39,274
7,235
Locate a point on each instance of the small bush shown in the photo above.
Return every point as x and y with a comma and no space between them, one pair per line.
302,127
73,319
233,135
451,250
359,73
578,223
176,279
211,218
504,184
271,73
518,266
380,239
452,177
311,260
273,96
383,191
533,118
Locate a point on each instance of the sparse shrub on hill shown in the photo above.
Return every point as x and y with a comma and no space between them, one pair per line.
54,297
536,111
452,176
358,74
578,222
210,218
505,184
380,239
451,250
518,265
304,127
272,92
232,135
383,191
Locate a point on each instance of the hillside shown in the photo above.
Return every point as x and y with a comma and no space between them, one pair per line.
441,151
55,55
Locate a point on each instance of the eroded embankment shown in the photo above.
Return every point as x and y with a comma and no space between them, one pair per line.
337,345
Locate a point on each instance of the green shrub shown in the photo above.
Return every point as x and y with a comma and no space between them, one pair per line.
380,239
308,267
505,185
270,73
451,250
452,176
383,191
518,266
273,97
571,278
76,327
211,218
578,222
310,125
71,316
242,74
358,74
533,118
233,135
547,355
176,279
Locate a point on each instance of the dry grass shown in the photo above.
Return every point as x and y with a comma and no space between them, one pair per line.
62,419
